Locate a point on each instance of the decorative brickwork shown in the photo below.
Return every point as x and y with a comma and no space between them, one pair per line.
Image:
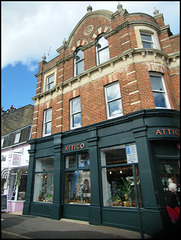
129,64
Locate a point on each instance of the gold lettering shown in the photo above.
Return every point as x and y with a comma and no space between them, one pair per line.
158,132
82,145
176,132
74,147
163,131
169,131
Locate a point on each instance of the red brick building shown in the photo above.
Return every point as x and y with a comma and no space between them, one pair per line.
111,93
129,63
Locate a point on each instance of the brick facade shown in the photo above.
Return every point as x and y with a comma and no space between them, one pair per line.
129,64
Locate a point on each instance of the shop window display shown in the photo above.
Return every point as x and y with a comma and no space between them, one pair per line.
121,182
44,180
77,179
170,173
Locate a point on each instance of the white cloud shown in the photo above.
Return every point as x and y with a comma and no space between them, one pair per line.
30,28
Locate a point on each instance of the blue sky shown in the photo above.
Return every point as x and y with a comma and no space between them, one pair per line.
38,27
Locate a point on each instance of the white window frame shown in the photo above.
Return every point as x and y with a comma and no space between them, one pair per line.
76,62
52,82
108,101
164,91
46,122
146,41
74,113
2,142
17,137
102,49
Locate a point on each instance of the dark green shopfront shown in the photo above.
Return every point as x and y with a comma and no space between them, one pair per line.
112,173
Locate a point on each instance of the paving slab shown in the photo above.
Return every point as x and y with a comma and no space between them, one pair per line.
15,226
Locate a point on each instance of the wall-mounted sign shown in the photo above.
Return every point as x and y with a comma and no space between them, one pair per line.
167,131
131,154
74,147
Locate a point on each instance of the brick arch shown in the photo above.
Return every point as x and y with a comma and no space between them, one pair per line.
80,42
102,29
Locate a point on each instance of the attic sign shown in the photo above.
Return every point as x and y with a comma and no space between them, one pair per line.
167,131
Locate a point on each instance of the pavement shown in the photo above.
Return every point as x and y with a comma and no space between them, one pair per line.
18,226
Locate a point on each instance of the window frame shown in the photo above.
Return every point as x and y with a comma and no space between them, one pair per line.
43,171
17,137
72,114
112,100
133,165
46,122
74,169
101,50
76,63
164,91
147,41
52,82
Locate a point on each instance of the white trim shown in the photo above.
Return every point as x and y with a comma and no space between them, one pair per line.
164,91
107,102
72,114
54,71
130,72
44,134
135,102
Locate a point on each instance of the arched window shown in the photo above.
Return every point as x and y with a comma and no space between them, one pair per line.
78,62
102,50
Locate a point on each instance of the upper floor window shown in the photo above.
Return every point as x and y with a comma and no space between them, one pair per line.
2,142
78,62
147,40
47,122
17,137
50,82
75,113
159,91
102,50
113,100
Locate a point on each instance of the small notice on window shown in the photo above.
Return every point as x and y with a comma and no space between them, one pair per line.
131,154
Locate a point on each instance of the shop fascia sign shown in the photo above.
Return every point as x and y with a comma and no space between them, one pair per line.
167,131
74,147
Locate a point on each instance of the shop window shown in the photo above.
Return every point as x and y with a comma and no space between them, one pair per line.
159,91
50,82
78,62
44,180
77,179
147,40
75,113
113,100
120,180
17,181
102,50
170,172
47,122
